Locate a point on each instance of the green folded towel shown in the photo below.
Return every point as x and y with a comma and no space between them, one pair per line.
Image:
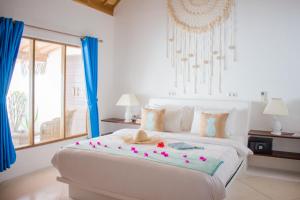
183,146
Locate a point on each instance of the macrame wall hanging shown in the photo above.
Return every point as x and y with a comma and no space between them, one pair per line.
200,42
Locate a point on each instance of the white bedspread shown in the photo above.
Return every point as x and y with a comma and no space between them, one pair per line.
132,178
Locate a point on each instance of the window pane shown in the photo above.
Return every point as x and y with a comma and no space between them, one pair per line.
76,109
48,91
18,96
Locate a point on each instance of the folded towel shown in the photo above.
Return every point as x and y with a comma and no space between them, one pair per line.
183,146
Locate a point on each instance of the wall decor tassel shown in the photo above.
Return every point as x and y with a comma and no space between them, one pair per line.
168,37
200,35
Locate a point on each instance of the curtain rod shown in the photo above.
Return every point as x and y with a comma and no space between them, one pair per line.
59,32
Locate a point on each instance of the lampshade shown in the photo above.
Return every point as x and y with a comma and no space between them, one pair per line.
128,100
276,107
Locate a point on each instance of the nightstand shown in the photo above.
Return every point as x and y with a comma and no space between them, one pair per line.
284,137
113,124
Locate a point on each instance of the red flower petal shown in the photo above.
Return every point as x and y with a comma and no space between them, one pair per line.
161,145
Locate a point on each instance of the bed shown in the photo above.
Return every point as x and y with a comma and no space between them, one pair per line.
99,169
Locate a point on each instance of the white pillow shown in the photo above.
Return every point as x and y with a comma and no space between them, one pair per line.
229,128
196,120
187,118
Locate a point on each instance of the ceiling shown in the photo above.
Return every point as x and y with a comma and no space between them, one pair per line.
106,6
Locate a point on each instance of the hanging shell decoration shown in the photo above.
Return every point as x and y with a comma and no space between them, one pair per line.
200,42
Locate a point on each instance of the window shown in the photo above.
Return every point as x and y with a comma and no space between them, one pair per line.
46,98
48,89
76,109
18,97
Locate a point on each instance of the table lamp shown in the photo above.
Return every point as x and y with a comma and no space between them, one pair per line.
276,107
128,100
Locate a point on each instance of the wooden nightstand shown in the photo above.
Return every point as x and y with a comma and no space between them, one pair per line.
113,124
277,154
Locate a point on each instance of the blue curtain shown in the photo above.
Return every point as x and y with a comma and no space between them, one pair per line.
10,38
90,60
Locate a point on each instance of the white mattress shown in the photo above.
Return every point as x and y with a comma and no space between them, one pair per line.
133,178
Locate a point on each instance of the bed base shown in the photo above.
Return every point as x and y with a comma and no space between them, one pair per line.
241,167
78,192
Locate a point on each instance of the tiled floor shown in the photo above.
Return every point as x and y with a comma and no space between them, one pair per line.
42,185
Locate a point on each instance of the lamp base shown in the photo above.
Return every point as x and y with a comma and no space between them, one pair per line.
276,126
128,115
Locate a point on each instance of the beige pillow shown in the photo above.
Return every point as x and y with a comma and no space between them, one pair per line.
213,125
177,118
153,119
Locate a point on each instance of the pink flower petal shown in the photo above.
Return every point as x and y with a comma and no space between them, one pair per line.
154,151
77,143
99,143
133,149
202,158
185,156
187,161
94,146
91,143
105,146
166,155
146,154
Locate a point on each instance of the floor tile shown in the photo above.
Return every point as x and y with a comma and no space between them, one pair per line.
241,191
276,189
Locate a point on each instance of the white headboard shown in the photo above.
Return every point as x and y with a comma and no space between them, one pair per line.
242,108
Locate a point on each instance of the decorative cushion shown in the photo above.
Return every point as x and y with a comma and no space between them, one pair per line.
213,125
177,118
229,128
153,119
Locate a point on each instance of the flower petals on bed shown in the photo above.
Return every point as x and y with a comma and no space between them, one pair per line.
198,159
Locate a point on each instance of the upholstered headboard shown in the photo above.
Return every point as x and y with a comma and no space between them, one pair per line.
241,114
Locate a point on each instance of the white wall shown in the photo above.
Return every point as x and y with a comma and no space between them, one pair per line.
268,47
66,16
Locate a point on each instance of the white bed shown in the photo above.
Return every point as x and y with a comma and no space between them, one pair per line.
98,175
